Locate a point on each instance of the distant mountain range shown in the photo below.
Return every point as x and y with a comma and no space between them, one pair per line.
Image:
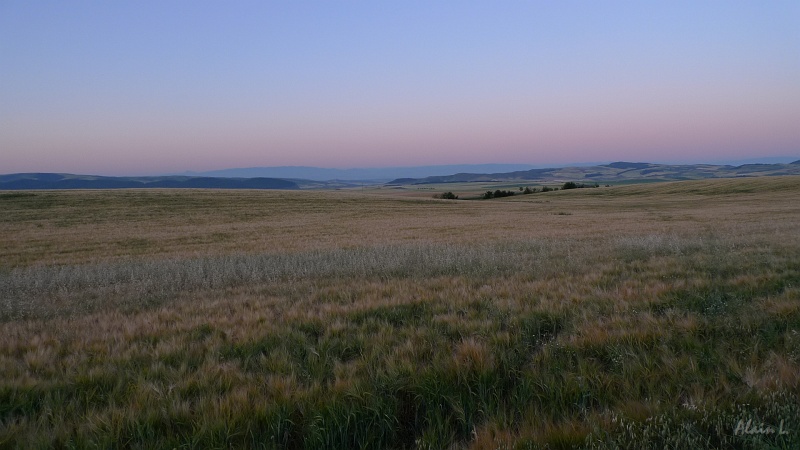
606,173
344,177
20,181
381,174
616,172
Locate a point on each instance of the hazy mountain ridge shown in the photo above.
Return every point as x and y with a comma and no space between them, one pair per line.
21,181
616,172
379,174
620,171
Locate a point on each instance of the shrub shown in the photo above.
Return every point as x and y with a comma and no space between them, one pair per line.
497,194
447,195
574,185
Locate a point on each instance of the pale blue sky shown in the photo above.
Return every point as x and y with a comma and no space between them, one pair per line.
152,87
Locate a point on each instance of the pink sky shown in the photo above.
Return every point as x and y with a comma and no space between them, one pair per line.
148,88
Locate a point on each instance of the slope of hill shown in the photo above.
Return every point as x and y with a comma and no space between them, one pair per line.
618,172
20,181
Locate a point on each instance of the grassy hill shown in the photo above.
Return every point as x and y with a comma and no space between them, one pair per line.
618,172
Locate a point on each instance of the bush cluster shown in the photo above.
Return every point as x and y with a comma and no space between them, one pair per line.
497,194
447,196
574,185
528,190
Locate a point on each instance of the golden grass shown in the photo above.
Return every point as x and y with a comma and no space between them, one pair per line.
69,227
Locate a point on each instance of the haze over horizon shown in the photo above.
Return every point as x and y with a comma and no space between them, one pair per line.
149,88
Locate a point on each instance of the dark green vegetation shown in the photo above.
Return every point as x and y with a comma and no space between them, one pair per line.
574,185
447,196
497,194
653,316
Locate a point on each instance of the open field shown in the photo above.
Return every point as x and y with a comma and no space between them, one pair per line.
642,316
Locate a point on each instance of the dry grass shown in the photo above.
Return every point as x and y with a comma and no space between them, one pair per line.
69,227
643,317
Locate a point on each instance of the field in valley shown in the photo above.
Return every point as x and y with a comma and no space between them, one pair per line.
661,315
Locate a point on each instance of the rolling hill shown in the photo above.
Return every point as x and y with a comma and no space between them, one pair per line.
617,172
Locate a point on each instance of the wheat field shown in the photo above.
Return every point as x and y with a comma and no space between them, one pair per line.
644,316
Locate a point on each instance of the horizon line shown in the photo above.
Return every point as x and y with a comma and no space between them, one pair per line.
762,160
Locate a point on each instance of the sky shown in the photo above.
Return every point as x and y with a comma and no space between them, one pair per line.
153,87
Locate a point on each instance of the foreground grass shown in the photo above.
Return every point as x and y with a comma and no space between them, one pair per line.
620,338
